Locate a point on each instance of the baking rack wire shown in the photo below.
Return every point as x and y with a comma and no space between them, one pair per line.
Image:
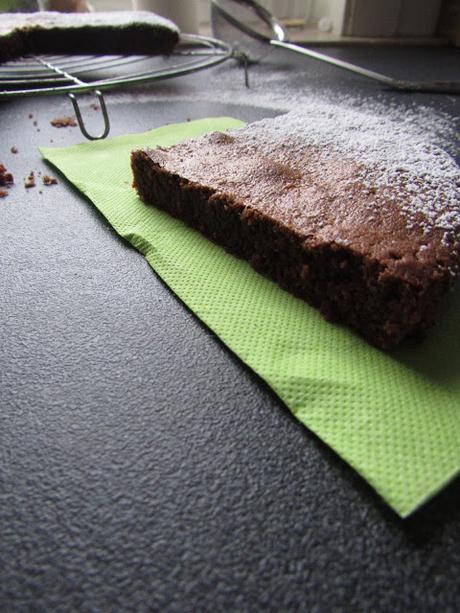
50,75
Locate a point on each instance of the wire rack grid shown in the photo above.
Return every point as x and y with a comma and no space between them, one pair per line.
71,75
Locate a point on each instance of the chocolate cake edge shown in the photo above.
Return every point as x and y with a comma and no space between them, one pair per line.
346,286
81,33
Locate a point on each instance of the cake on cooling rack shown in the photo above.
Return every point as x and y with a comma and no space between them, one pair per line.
344,215
123,32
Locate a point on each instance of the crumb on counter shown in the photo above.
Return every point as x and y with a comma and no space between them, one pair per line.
47,180
14,150
30,180
63,122
3,193
6,178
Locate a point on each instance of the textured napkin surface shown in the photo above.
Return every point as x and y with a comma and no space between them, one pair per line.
394,417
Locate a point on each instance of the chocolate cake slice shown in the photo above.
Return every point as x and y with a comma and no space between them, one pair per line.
363,229
123,32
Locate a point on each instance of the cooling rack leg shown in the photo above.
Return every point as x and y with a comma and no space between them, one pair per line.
246,71
81,123
242,59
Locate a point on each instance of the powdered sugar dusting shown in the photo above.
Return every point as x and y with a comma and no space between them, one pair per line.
402,145
395,159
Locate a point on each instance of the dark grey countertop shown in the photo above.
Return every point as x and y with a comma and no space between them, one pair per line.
142,465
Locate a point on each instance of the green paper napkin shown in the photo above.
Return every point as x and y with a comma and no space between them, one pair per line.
394,417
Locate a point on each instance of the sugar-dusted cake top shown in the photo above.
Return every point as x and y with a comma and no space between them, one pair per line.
346,177
420,177
14,21
85,33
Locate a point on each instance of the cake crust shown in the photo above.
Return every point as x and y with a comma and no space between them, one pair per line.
315,220
118,32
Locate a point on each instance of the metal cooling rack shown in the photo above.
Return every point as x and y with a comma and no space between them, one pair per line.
50,75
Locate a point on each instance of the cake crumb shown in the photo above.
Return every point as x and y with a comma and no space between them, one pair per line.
30,181
63,122
14,150
3,193
30,115
94,106
6,178
47,180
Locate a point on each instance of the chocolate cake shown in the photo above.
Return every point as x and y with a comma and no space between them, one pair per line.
363,229
124,32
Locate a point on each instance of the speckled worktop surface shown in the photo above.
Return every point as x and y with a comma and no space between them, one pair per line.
142,466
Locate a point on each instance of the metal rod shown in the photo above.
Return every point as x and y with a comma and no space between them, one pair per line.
76,106
61,72
81,122
445,87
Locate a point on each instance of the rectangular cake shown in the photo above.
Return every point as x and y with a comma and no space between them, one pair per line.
362,229
122,32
